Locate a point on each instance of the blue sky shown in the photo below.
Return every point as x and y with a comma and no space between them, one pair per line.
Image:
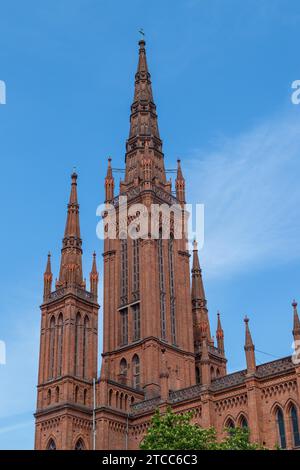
222,74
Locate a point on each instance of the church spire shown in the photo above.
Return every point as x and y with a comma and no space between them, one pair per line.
249,348
144,141
94,277
296,326
220,335
48,278
180,184
109,182
71,253
143,118
199,304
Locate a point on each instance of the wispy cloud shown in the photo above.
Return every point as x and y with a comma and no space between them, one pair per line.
14,427
250,187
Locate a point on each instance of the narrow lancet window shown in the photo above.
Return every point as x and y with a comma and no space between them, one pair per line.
172,290
60,332
124,272
136,371
52,348
124,326
85,345
135,268
162,292
136,322
77,344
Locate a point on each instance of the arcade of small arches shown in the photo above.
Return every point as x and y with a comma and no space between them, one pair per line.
80,395
120,400
214,373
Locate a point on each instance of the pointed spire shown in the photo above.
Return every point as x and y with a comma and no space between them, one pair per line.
179,171
48,266
109,182
71,253
180,184
296,325
48,278
72,225
142,64
249,348
94,277
143,88
220,335
144,139
198,294
196,264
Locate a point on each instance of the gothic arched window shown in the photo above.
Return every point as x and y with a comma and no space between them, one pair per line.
110,396
57,394
295,425
136,322
85,396
243,422
49,397
76,394
79,445
51,445
162,292
136,372
135,267
77,343
229,424
172,289
60,331
124,326
123,367
85,345
124,271
52,348
281,428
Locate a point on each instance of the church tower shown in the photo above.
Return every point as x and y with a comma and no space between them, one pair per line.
147,306
68,345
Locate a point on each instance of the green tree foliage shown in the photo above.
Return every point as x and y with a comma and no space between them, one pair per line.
171,431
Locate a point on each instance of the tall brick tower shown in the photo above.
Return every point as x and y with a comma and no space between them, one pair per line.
147,306
68,345
158,348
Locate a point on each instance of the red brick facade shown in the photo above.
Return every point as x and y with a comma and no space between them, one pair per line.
157,345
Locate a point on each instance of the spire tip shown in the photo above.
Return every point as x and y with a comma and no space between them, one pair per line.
74,175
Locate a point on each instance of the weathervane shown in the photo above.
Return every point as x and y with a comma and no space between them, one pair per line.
141,31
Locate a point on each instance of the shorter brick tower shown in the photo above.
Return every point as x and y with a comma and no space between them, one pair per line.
210,360
68,345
